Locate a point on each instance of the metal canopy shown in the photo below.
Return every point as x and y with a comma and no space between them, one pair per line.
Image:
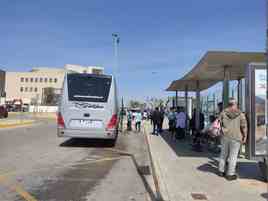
210,69
180,85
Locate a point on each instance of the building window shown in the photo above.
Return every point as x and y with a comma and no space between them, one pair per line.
26,79
31,89
50,80
21,89
36,79
55,80
46,80
22,79
31,79
35,89
41,79
26,89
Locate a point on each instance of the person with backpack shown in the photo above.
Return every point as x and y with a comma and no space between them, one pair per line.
234,133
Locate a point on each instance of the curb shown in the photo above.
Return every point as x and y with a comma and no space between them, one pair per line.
156,170
16,125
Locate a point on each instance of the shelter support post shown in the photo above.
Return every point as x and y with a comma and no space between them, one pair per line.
214,104
233,92
176,99
225,91
207,105
197,114
186,107
240,94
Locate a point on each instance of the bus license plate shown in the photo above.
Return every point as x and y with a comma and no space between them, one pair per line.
86,124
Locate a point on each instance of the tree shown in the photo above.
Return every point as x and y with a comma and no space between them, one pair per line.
137,104
155,102
49,96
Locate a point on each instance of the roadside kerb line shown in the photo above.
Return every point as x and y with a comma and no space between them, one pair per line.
120,151
16,124
17,188
6,174
150,193
154,174
101,160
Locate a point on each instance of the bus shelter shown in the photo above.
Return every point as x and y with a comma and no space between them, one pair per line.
226,66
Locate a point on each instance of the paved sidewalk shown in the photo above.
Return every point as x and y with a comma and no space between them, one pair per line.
183,173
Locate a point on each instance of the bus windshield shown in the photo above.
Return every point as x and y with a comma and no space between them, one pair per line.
88,88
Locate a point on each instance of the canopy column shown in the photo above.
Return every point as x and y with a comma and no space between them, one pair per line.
214,104
225,91
197,113
186,106
240,94
176,99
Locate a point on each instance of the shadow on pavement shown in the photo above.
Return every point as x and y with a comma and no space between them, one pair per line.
86,143
211,166
245,169
265,195
183,148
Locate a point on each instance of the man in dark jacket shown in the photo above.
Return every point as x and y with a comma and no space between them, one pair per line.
195,131
234,129
156,117
162,113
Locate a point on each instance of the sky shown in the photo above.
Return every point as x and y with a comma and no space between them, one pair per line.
159,40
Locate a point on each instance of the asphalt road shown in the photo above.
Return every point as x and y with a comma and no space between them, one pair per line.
37,165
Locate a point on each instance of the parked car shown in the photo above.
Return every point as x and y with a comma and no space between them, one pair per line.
3,112
25,107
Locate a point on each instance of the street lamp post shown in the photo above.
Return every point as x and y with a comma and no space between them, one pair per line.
116,40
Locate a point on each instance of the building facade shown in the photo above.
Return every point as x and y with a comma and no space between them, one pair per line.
29,86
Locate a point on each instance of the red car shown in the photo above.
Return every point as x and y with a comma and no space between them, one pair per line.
3,112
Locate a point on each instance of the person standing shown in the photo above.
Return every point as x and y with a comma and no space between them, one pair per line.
196,131
138,119
129,121
180,123
162,116
172,122
151,116
156,117
234,130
